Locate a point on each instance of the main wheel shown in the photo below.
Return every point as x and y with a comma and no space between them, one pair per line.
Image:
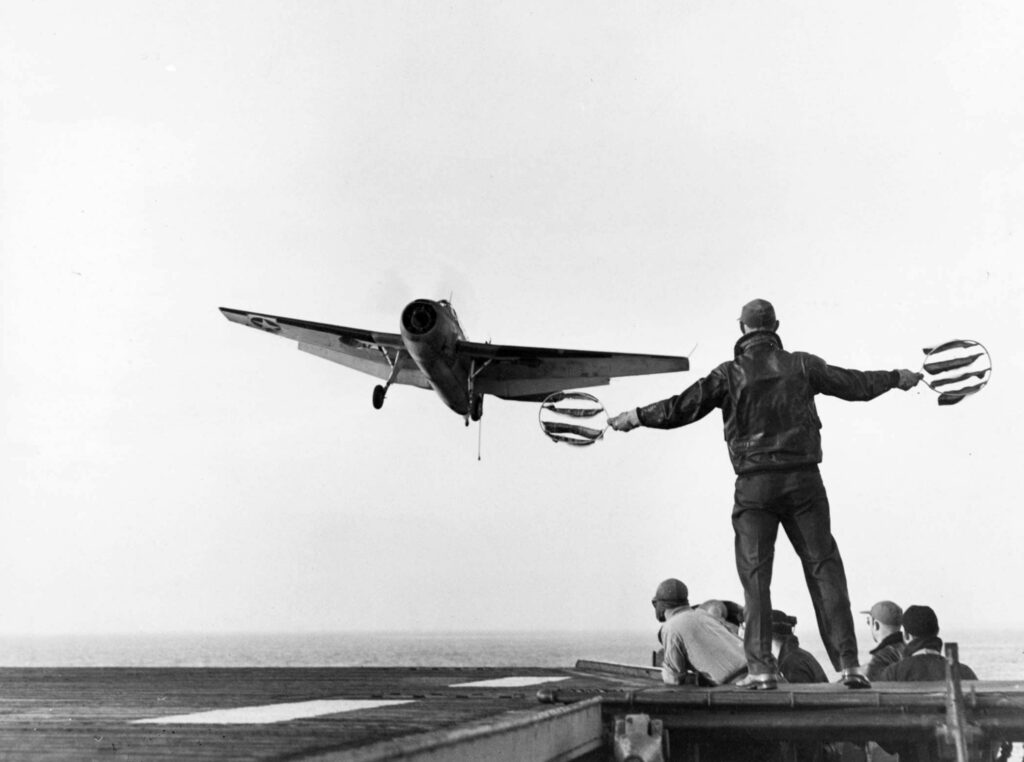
378,397
476,409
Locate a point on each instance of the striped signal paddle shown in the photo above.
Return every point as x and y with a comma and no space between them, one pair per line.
956,369
573,418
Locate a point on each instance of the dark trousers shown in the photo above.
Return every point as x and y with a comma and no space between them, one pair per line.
797,500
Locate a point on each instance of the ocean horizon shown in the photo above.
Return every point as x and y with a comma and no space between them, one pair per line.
993,654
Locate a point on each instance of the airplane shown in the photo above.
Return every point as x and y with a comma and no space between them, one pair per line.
432,352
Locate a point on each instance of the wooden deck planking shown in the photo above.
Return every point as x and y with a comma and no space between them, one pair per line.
64,714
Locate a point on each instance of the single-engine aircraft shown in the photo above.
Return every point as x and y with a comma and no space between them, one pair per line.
432,352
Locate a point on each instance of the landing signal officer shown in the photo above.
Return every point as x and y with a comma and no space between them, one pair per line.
766,396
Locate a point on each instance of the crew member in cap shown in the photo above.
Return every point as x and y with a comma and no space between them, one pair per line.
695,640
922,658
795,664
885,619
766,396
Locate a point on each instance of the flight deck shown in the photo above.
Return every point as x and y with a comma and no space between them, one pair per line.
520,713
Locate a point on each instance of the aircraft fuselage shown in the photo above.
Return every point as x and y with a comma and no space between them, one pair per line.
430,331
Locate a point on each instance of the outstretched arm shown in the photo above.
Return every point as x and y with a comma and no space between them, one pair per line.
689,406
856,385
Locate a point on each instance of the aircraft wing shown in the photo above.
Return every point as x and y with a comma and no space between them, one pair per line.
532,373
355,348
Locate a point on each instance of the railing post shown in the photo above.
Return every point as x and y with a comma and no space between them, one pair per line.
955,732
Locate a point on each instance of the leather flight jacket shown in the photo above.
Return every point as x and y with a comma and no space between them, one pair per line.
766,395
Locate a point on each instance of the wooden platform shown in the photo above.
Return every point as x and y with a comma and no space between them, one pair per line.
366,714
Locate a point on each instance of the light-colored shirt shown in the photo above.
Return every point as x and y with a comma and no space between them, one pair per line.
695,637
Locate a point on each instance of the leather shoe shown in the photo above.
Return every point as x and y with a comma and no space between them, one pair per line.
854,677
755,682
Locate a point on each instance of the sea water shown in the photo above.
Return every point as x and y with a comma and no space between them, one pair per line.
993,655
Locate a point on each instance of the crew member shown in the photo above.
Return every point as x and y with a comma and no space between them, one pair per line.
885,619
922,662
795,664
922,658
695,641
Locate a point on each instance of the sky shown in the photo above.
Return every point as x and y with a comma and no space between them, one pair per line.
615,175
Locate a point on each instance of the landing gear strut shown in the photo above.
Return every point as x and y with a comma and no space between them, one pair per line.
380,391
476,401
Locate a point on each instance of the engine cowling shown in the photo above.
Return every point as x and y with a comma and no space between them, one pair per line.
419,317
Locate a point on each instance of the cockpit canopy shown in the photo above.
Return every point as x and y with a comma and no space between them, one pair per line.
447,307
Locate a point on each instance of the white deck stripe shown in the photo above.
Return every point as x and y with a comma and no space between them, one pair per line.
261,715
510,682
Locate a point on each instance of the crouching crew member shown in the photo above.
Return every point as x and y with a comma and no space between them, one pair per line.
696,642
